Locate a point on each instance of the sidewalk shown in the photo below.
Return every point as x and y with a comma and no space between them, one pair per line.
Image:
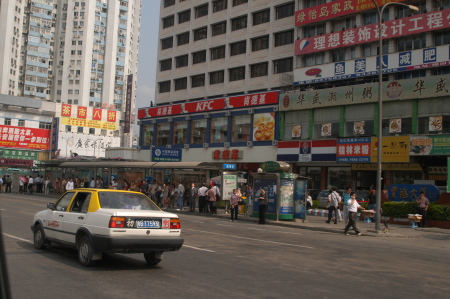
318,223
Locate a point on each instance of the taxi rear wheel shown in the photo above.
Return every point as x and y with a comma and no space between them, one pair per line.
153,258
39,238
85,252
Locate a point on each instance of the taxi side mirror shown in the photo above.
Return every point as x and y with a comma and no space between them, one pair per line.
51,206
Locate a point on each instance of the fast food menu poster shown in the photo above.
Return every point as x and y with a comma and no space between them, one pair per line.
297,131
326,130
358,127
263,126
395,125
435,123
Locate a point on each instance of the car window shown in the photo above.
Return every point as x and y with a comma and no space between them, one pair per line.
79,202
125,200
64,201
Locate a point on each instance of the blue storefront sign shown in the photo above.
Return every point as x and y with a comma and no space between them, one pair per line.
166,155
229,166
411,192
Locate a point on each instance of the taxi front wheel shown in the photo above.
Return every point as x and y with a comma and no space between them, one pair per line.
85,252
153,258
39,238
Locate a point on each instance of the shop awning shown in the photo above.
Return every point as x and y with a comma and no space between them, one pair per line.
140,164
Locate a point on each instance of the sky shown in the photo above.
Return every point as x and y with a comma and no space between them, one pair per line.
148,51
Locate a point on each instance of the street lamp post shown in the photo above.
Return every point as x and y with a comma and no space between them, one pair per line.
380,104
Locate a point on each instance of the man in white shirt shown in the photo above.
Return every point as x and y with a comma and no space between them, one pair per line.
353,207
30,184
92,184
69,185
202,206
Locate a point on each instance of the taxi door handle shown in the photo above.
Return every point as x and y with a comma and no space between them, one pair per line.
81,217
61,215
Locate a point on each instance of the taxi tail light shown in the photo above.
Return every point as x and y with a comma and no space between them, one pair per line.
175,223
117,222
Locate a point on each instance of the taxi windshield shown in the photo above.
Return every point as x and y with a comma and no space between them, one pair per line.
126,200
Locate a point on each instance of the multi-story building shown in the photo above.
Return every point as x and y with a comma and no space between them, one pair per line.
321,57
80,55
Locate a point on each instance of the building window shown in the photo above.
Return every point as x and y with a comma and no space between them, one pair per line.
164,86
80,130
238,48
411,42
181,83
68,128
184,16
237,73
148,135
240,129
199,57
180,130
258,70
198,81
260,43
344,24
314,30
21,123
284,11
313,59
216,77
183,39
92,131
168,22
162,134
201,11
201,33
219,28
239,23
441,38
219,129
261,17
181,61
168,3
7,122
167,43
283,65
284,38
338,54
103,132
198,131
219,5
165,64
218,53
47,126
239,2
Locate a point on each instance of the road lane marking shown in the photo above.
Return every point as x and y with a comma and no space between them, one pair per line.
196,248
17,238
252,239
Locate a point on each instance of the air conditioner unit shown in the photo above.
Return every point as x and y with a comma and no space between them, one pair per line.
70,75
32,93
78,75
186,146
61,46
205,145
168,146
249,143
52,38
64,8
274,142
226,144
25,32
51,56
20,82
251,111
50,76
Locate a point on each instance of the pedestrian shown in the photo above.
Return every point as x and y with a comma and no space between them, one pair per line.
37,183
234,205
8,184
192,197
30,184
69,184
262,200
422,208
173,196
21,184
211,198
153,190
165,200
309,201
57,187
99,183
333,201
114,184
180,197
63,185
133,186
158,193
345,199
47,185
92,183
144,187
372,202
3,186
202,198
353,207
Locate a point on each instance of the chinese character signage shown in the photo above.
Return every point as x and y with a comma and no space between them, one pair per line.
334,9
16,162
111,116
410,192
391,29
229,166
18,154
227,154
430,145
82,112
166,155
423,87
81,122
263,126
21,137
243,101
129,97
395,149
66,110
355,150
368,66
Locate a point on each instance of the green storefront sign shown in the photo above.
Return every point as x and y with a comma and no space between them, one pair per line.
18,154
434,145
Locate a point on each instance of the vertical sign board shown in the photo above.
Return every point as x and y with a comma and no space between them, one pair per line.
229,183
448,176
299,200
54,137
270,184
286,198
127,127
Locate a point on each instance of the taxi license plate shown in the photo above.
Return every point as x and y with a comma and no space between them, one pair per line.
148,224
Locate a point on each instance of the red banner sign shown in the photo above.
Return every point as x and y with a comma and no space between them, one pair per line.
16,162
20,137
211,105
82,112
394,28
335,9
66,110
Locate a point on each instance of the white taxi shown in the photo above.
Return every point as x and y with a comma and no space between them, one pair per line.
103,220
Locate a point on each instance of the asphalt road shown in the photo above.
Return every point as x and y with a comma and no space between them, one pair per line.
224,259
